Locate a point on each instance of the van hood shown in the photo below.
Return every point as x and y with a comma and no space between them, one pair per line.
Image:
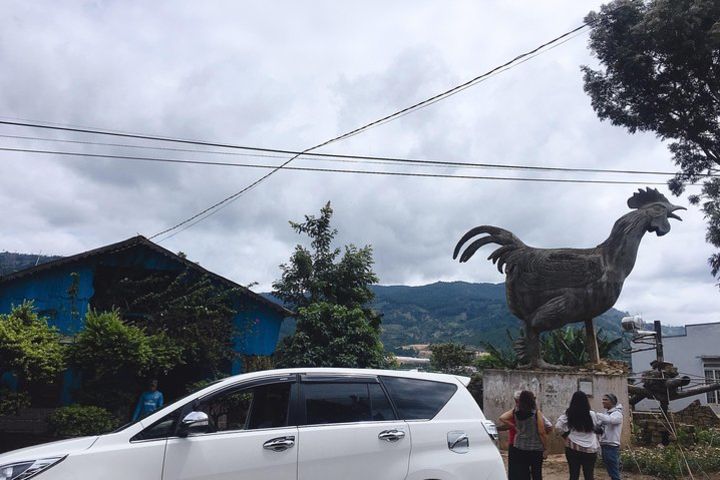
53,449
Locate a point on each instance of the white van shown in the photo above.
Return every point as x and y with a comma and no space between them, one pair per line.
297,424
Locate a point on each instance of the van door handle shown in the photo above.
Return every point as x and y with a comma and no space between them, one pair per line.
391,435
279,444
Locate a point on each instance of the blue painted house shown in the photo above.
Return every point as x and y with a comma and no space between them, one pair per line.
63,290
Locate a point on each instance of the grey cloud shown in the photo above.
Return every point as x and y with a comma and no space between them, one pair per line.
246,74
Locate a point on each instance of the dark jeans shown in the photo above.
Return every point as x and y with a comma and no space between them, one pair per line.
576,460
611,458
524,464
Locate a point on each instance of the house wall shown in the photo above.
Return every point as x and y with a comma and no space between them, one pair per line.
686,352
258,325
258,330
49,291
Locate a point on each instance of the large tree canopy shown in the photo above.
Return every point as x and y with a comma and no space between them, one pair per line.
335,325
660,72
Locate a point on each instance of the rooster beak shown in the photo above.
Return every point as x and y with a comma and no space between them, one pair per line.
672,209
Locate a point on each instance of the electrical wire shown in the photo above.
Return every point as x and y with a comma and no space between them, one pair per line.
335,170
279,153
216,206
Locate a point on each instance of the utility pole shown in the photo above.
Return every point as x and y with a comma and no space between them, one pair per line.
658,342
664,400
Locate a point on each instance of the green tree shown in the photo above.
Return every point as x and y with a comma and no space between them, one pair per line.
30,349
332,295
660,72
330,335
193,310
452,358
114,359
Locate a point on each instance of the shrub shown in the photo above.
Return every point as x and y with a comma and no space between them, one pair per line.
11,401
452,358
30,350
711,437
81,420
670,463
115,358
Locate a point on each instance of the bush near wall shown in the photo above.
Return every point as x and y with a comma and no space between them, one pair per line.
81,420
700,453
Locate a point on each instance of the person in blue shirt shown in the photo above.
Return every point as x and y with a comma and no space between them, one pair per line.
150,401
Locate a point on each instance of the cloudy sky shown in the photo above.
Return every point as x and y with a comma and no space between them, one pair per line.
292,74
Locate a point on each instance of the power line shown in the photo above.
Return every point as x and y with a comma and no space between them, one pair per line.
335,170
140,136
326,170
211,209
279,153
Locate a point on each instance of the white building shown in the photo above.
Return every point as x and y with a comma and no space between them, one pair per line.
695,354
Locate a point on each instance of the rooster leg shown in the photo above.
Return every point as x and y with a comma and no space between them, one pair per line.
527,349
549,316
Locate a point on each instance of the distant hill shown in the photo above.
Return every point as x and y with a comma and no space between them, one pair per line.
14,262
468,313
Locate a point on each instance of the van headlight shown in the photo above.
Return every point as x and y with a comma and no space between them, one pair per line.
25,470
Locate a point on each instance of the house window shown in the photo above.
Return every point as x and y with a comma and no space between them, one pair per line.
712,375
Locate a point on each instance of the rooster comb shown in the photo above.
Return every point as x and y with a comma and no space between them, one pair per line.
646,197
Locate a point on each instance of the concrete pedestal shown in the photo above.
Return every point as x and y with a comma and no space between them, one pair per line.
553,391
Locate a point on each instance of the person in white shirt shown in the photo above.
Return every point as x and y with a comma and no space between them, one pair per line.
578,425
612,421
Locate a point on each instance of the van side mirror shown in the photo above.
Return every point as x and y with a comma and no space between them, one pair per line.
194,422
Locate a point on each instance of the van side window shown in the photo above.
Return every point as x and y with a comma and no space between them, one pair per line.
418,399
163,428
346,403
336,403
264,406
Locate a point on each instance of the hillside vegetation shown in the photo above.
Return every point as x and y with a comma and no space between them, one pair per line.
468,313
14,262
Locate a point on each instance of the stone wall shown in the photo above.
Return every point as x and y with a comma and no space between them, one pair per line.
652,427
553,391
698,414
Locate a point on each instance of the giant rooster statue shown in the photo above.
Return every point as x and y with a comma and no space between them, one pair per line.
549,288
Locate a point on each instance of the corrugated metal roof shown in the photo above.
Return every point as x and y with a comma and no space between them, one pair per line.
140,241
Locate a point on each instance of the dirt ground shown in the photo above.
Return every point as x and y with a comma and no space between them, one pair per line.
555,468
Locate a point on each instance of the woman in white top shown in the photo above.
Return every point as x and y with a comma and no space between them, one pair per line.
579,425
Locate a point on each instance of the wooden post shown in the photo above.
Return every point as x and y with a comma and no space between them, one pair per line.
591,342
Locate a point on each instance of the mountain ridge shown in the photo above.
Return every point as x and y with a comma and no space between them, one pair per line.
11,262
470,313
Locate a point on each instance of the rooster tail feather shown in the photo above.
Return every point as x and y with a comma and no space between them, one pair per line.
507,241
470,250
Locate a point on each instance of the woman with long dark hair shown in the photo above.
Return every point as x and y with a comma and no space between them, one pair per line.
579,426
529,444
